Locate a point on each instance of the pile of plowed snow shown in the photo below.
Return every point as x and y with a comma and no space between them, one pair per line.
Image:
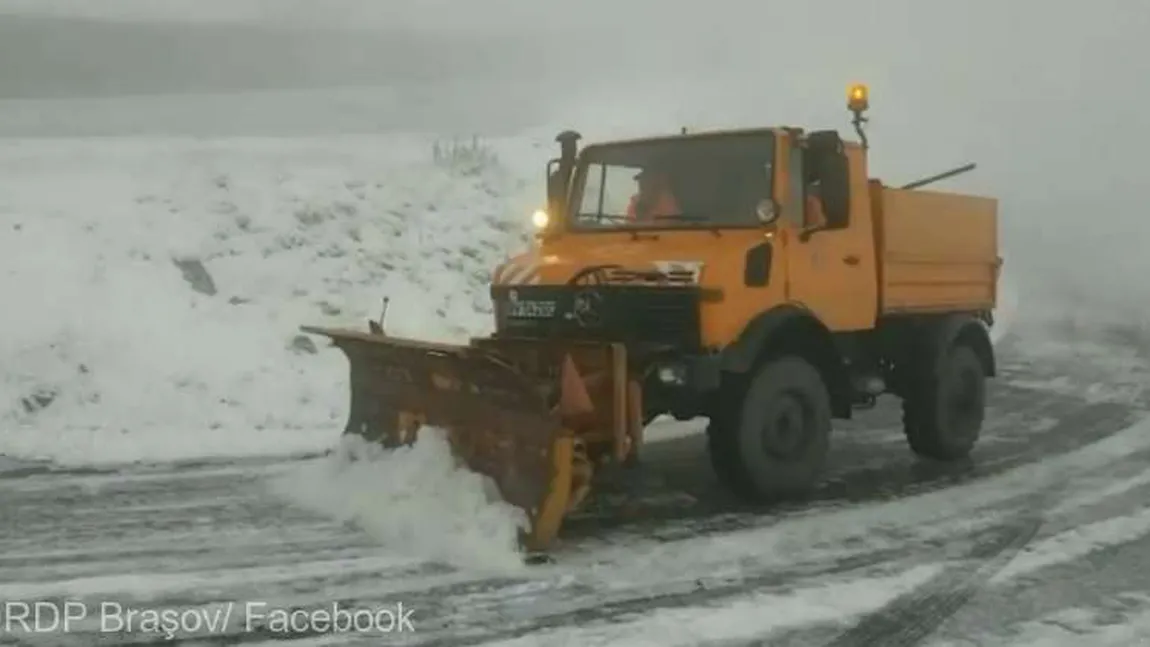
153,289
415,500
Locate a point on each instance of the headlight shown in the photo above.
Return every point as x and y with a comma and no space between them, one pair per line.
540,219
672,374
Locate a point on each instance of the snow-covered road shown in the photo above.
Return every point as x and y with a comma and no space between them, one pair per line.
1048,523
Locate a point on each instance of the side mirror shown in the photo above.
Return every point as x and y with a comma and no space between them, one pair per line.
554,186
828,165
835,182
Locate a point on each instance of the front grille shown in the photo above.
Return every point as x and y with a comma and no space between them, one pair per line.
623,313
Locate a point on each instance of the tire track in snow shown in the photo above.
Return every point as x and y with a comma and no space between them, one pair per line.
911,619
200,534
1078,425
586,603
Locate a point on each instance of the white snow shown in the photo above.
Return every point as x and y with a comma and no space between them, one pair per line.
1124,624
415,500
156,584
109,355
1106,486
822,535
755,616
1076,543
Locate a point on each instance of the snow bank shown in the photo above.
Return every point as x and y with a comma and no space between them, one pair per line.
414,500
154,288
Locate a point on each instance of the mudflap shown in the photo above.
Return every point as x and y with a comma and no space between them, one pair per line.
497,420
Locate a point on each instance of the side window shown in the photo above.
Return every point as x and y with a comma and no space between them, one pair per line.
796,188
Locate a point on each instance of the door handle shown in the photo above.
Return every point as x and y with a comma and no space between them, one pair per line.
851,259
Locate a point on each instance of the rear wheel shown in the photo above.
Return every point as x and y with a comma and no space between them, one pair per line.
945,406
770,442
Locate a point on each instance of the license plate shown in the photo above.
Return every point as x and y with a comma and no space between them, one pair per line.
531,309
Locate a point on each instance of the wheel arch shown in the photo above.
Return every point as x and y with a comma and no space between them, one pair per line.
968,330
791,329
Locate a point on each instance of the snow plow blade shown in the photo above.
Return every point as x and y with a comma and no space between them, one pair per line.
498,421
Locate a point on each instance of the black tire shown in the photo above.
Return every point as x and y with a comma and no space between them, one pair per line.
770,442
945,407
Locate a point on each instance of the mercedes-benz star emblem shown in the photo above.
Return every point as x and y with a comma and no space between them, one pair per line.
588,308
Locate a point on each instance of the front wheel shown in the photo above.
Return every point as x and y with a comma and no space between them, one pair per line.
772,443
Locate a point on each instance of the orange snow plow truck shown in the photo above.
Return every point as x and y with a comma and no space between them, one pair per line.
759,278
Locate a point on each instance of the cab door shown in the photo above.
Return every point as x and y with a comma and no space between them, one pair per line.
831,272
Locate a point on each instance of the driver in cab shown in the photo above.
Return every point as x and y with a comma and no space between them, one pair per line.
654,199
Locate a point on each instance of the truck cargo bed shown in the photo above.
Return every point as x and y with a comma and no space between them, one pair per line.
938,251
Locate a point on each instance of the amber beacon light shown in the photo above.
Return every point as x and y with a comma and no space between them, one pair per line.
858,98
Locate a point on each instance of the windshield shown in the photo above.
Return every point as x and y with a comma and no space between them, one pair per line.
702,181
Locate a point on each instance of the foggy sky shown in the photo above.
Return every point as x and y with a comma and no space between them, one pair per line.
1048,98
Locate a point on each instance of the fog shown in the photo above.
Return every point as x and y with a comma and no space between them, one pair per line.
1047,99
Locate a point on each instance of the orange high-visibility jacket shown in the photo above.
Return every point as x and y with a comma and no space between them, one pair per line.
665,205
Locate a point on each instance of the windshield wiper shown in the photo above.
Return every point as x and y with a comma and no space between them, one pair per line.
710,224
683,217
